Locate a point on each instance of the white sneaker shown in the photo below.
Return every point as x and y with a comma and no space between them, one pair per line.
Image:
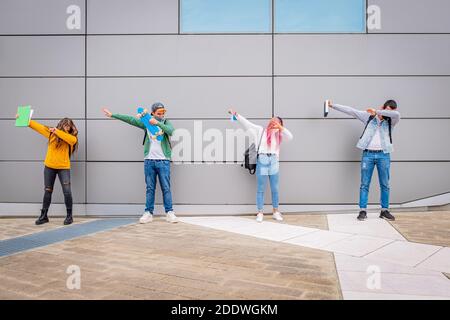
171,217
277,216
146,217
260,217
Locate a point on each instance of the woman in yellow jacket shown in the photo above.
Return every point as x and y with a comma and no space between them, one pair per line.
62,142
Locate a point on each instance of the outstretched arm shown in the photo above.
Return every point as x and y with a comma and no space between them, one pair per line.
40,128
361,115
248,125
125,118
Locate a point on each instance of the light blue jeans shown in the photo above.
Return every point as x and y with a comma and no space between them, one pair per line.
267,167
383,163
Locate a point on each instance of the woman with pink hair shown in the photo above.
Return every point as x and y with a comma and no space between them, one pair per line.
268,140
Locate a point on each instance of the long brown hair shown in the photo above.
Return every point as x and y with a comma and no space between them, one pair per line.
72,130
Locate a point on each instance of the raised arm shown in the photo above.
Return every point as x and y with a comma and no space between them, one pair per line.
125,118
361,115
40,128
245,123
394,115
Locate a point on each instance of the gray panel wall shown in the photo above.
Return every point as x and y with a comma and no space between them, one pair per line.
132,16
132,53
384,54
413,16
27,56
187,55
38,16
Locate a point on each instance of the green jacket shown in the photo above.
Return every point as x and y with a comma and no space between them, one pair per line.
165,125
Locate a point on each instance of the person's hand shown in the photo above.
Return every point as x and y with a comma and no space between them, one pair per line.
17,115
52,130
278,126
153,121
330,105
372,111
107,112
232,112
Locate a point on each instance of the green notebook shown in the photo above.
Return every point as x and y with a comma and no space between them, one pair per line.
25,113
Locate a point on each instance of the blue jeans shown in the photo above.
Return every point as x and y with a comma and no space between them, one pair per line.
383,163
267,166
160,168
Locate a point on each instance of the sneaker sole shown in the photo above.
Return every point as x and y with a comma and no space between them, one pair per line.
144,222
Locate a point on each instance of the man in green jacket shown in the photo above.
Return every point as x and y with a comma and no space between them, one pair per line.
157,155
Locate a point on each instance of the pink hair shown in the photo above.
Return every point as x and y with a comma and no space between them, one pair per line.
277,133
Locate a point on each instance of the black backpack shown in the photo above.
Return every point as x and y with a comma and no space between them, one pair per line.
251,156
388,119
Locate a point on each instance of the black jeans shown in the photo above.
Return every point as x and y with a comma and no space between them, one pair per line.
49,181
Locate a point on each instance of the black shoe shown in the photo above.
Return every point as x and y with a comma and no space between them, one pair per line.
43,217
362,215
69,218
385,214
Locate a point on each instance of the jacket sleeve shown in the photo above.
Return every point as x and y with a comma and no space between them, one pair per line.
67,137
361,115
246,123
129,119
167,127
36,126
394,115
287,134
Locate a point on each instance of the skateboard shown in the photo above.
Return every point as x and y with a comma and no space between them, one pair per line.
155,132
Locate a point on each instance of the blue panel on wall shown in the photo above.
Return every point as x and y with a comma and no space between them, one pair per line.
320,16
231,16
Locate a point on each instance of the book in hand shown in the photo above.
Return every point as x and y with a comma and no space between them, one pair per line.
24,116
326,108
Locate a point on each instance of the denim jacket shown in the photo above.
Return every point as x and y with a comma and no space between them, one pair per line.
364,116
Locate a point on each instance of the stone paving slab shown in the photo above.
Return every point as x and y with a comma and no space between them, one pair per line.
424,227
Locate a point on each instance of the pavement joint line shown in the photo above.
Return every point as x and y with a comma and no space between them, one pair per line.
385,245
429,256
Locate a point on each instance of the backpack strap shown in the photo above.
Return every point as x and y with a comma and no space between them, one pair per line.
145,136
389,120
260,140
367,123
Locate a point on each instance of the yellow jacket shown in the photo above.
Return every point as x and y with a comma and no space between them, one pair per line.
56,158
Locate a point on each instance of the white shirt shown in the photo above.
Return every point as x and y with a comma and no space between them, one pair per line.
375,144
257,131
155,152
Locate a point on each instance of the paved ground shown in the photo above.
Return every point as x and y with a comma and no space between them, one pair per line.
163,261
318,221
306,257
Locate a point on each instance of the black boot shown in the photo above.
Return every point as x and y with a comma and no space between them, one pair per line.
43,217
69,218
